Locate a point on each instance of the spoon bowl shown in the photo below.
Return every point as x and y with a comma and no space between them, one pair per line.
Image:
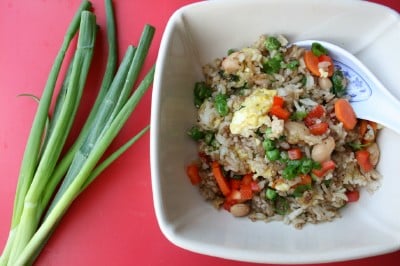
367,95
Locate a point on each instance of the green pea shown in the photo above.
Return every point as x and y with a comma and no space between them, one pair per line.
271,194
273,155
269,144
298,115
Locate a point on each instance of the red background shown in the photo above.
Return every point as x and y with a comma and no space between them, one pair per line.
113,222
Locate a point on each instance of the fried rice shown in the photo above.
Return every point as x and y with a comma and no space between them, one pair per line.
236,130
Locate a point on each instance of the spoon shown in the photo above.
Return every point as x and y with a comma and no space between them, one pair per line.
367,95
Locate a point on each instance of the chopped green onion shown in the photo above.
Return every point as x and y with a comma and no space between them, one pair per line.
195,133
293,64
221,104
317,49
306,166
201,93
281,205
272,43
300,189
339,84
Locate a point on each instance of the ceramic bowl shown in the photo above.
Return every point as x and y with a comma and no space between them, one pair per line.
198,33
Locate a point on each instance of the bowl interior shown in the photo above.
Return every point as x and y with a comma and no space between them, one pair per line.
197,34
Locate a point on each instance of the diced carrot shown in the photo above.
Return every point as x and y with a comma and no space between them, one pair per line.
246,192
352,196
295,154
228,204
316,113
235,183
219,177
325,167
305,180
363,129
279,112
247,179
318,129
192,171
345,114
311,61
363,161
278,101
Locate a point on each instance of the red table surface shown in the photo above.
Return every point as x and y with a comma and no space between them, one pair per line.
113,222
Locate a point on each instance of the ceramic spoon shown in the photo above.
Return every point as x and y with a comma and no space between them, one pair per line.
369,98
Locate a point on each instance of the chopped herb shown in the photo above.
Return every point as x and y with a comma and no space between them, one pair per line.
339,84
201,92
221,104
195,133
293,64
281,205
300,189
317,49
272,43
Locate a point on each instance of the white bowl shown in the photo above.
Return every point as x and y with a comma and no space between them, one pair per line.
198,33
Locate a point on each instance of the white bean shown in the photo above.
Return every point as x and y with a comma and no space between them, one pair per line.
240,210
321,152
374,153
325,83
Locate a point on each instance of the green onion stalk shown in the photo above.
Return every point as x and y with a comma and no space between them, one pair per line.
50,181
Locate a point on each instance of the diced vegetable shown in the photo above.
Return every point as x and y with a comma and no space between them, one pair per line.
352,196
219,177
201,92
279,112
221,104
192,171
272,43
295,154
319,129
195,133
362,157
325,168
312,63
338,84
273,155
271,194
281,205
344,113
317,49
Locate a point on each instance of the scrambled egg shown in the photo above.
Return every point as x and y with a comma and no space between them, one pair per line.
253,113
